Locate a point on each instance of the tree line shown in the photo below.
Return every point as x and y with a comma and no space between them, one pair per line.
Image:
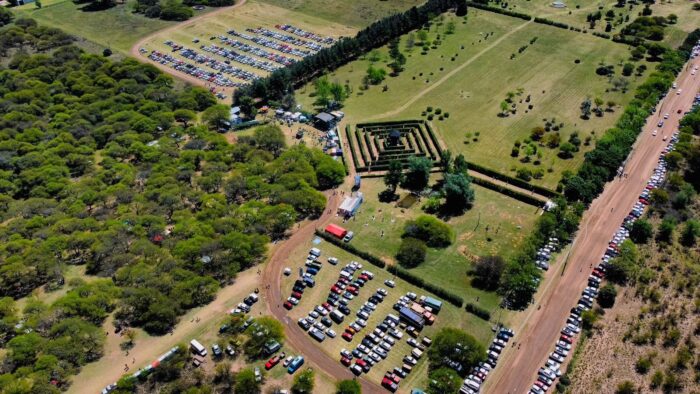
279,85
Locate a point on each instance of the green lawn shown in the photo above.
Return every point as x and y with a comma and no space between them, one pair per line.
495,226
117,28
358,13
449,316
469,75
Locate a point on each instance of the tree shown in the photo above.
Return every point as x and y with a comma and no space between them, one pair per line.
606,296
586,108
184,116
460,164
641,231
504,108
5,16
627,69
348,387
444,380
624,267
173,10
453,344
303,382
487,272
461,9
394,175
375,75
246,383
458,192
690,233
269,138
665,232
418,173
323,91
216,115
265,330
433,231
329,172
411,252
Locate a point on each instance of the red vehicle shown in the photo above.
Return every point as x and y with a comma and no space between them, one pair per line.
361,362
343,279
345,361
644,201
274,361
328,306
597,273
353,290
288,305
296,295
347,336
350,330
364,277
566,339
389,385
390,375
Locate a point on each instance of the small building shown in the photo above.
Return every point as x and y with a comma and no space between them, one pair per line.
411,317
324,121
434,304
358,182
394,137
350,205
336,231
235,115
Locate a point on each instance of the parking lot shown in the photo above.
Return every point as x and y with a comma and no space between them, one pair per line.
329,275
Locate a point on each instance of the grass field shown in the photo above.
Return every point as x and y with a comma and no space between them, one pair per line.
358,13
469,75
117,28
450,316
495,226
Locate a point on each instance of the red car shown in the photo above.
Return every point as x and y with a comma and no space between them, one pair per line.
343,279
336,290
566,339
328,306
274,361
345,361
644,201
296,295
597,273
389,385
288,305
364,277
350,330
392,376
347,336
361,362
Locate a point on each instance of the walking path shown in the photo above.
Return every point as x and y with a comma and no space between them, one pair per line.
517,368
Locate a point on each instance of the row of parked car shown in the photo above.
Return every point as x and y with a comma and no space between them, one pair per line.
549,372
472,384
191,69
544,254
257,51
272,44
302,33
240,58
313,46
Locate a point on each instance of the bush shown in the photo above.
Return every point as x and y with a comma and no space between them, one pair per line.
606,297
348,387
419,282
411,252
433,231
643,365
625,387
641,231
487,272
478,311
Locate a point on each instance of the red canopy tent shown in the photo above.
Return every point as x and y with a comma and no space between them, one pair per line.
336,230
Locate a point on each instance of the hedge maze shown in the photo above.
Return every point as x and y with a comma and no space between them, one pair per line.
374,145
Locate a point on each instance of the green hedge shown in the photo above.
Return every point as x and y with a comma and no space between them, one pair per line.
514,181
499,10
478,311
545,21
508,192
419,282
601,35
350,248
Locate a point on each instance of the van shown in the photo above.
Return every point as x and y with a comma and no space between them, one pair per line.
345,274
417,353
197,348
337,316
315,252
310,282
393,318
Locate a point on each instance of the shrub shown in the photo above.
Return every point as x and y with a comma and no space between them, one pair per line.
606,297
643,365
433,231
411,252
641,231
478,311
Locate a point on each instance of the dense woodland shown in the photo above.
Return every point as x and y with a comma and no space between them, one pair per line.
103,165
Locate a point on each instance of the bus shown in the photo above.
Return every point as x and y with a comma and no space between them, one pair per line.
295,364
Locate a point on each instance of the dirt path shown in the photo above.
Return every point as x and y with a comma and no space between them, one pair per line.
188,78
446,77
539,330
93,377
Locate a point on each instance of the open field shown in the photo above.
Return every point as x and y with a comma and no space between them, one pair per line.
469,75
449,316
117,28
495,226
358,13
250,54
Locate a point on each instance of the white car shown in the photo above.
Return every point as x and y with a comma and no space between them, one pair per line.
330,333
293,300
666,115
390,283
287,271
653,133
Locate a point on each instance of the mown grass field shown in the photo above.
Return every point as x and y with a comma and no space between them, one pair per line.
469,75
117,28
450,316
495,226
357,13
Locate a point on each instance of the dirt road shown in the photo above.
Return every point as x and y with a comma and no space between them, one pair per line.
185,77
536,336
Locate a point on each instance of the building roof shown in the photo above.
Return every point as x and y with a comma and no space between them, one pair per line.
325,117
395,134
336,230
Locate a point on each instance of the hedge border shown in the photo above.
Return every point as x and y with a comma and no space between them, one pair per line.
499,10
515,181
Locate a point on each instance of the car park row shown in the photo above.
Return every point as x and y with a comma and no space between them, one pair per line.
305,34
549,372
472,384
237,57
281,59
191,69
272,44
544,254
315,47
